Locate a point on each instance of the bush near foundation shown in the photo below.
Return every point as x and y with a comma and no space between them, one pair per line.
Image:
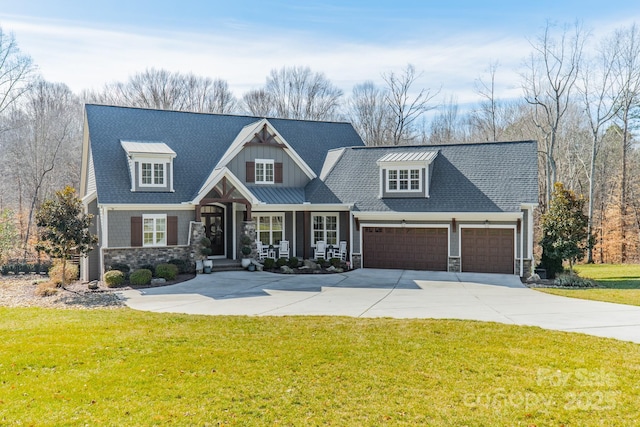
113,278
167,271
140,277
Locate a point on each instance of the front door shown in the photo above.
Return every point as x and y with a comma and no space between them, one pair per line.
213,218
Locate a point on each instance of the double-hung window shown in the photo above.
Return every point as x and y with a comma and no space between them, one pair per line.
403,180
151,174
264,171
325,227
270,228
154,230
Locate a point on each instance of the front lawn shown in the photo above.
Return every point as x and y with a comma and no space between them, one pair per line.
123,367
619,283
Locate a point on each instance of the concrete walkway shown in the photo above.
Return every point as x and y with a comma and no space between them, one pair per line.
389,293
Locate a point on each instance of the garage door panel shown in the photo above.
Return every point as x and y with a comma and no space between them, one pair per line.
487,250
406,248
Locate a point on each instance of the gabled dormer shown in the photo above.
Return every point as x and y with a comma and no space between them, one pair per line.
405,174
260,156
150,166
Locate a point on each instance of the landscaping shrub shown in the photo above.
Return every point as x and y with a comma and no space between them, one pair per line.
181,264
552,266
269,263
335,262
293,262
121,267
71,273
46,289
281,261
151,268
167,271
140,277
573,280
5,269
113,278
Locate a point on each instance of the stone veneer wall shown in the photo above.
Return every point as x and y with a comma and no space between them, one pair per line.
454,264
526,267
137,257
356,261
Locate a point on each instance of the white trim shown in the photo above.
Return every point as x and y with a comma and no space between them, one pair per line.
256,215
293,245
387,225
153,164
352,225
325,214
89,198
409,169
264,163
381,184
215,177
438,216
155,217
147,207
521,246
246,135
234,234
501,226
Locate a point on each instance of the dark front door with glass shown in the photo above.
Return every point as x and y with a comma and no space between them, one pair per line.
213,218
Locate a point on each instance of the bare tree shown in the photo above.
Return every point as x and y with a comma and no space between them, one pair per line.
406,107
43,144
370,113
627,71
448,125
16,71
486,117
600,99
296,93
259,103
548,82
165,90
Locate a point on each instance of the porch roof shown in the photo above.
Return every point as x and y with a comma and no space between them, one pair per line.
278,195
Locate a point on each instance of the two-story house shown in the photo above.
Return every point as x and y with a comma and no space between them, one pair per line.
155,179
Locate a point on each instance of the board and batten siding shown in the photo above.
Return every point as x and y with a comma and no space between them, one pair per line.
292,175
120,225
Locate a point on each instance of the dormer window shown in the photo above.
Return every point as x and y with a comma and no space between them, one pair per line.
150,165
404,179
405,174
151,174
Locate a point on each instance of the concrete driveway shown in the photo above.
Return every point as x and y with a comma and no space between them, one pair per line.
389,293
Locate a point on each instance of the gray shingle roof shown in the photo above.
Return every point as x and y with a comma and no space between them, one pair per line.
199,140
484,177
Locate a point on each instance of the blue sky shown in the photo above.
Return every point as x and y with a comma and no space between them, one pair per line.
87,44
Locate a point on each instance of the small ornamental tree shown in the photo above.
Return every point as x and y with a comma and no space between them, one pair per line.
64,228
565,233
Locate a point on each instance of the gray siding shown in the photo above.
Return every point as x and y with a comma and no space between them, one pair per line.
94,256
299,235
526,223
119,223
292,175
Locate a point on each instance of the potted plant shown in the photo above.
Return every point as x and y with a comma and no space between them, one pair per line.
205,251
246,250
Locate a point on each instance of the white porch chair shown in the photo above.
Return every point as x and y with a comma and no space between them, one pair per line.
284,249
342,251
263,251
321,250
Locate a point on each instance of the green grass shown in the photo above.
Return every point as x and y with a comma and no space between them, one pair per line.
122,367
619,283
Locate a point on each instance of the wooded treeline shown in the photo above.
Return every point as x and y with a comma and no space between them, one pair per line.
580,100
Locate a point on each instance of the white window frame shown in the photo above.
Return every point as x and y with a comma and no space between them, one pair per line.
324,230
264,163
409,169
154,164
270,216
155,218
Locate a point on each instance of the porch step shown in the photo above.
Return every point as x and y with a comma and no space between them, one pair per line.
226,265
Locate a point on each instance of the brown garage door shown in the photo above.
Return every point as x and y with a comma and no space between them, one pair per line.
487,250
406,248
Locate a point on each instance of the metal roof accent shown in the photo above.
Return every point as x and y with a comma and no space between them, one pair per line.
419,156
138,147
278,195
